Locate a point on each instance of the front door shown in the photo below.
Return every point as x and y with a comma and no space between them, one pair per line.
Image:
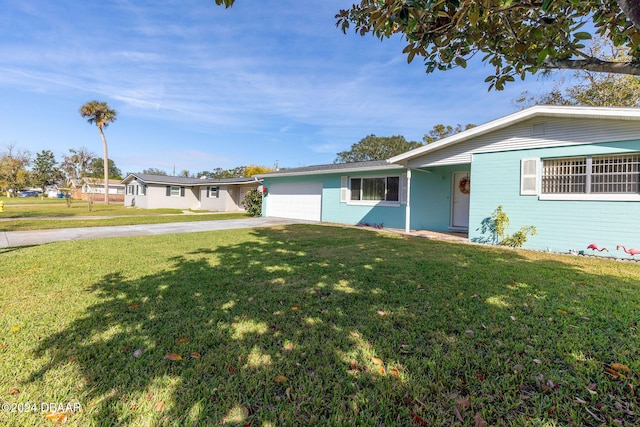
460,200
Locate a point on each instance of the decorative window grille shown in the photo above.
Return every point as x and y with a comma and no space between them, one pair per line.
597,174
615,174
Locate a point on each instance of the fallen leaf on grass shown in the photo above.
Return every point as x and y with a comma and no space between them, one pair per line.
231,369
395,372
614,373
14,390
160,406
133,305
562,312
354,334
377,361
382,370
56,417
4,346
295,307
418,419
456,412
183,340
137,353
620,367
15,329
382,313
173,356
463,403
195,355
280,379
480,422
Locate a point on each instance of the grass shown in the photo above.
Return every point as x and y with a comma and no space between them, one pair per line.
57,215
316,325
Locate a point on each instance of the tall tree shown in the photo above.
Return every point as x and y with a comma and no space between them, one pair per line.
96,169
374,147
251,170
78,163
13,169
44,170
440,131
100,114
155,171
515,37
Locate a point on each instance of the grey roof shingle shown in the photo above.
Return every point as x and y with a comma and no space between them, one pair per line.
181,180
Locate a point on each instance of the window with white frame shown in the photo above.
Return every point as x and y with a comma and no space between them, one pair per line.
375,189
612,174
173,191
130,190
141,190
213,192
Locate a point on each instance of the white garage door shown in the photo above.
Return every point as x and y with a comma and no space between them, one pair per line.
299,201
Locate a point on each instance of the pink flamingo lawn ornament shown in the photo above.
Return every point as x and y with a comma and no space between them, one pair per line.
595,247
630,251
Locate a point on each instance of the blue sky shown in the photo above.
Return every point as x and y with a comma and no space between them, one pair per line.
198,87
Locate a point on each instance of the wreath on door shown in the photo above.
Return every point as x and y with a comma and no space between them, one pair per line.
465,185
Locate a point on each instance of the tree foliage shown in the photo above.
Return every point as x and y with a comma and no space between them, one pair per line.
589,88
100,114
44,170
96,169
13,169
440,131
155,171
77,163
374,147
514,37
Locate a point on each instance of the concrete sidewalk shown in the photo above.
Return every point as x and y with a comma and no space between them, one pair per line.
36,237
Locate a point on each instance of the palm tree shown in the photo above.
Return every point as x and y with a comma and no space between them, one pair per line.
100,114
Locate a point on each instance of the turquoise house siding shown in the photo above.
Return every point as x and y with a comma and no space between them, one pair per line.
344,213
562,225
431,197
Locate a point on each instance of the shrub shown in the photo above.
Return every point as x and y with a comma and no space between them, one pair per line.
497,225
253,202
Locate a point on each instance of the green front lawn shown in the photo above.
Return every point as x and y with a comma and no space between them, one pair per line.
316,325
56,215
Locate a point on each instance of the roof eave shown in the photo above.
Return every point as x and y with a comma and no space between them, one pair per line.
511,119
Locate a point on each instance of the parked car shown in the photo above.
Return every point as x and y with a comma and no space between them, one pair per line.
28,194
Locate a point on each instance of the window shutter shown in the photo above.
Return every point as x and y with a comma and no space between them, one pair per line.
529,177
168,190
344,190
404,186
181,191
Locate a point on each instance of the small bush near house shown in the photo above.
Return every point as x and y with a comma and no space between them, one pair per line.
253,202
497,225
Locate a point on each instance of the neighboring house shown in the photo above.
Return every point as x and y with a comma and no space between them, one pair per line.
84,188
94,187
572,172
159,191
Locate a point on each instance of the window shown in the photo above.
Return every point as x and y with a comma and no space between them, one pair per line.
616,174
142,190
130,190
376,189
213,192
175,191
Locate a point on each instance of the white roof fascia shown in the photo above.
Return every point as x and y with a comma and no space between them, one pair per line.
536,111
332,171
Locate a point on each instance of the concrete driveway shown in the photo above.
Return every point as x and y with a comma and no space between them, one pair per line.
35,237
